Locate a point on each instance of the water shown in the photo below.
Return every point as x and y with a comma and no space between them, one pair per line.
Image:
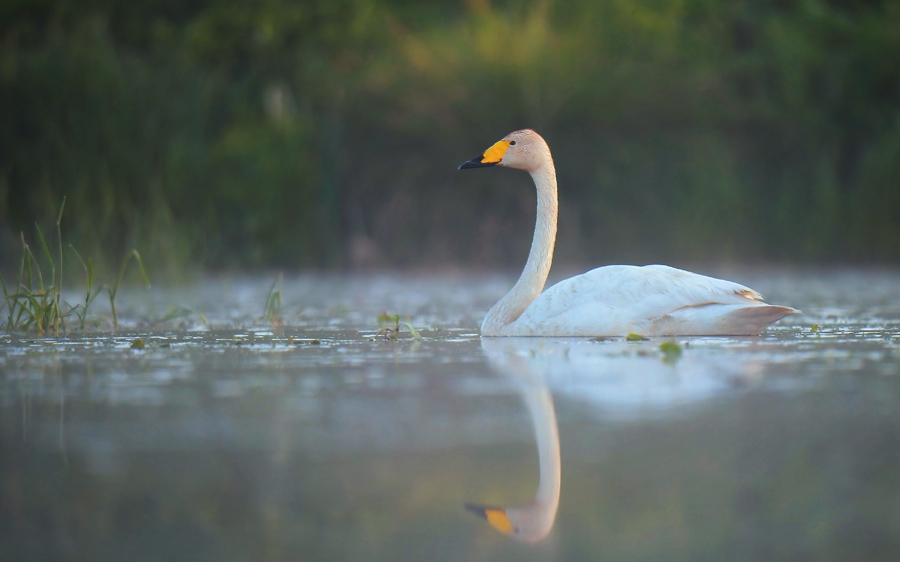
227,439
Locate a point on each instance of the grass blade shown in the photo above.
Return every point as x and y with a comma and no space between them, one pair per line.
46,253
50,311
59,285
27,259
88,298
412,331
115,289
273,301
8,302
61,207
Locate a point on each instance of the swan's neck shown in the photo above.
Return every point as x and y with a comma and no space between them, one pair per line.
531,282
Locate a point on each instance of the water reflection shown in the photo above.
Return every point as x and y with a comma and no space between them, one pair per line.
617,380
533,521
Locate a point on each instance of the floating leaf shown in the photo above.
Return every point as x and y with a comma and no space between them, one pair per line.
636,337
138,343
412,331
814,329
671,350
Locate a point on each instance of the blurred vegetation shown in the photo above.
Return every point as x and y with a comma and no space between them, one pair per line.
245,133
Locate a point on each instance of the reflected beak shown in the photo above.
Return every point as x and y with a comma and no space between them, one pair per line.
496,516
478,510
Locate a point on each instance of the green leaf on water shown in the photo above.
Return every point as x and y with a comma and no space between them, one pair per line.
138,343
671,350
814,329
636,337
412,331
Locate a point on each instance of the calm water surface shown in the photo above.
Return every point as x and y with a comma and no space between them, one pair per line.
227,438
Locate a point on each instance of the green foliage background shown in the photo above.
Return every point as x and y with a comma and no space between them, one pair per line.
249,133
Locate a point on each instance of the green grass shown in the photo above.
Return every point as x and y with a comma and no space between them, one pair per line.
393,333
34,305
272,311
115,288
80,310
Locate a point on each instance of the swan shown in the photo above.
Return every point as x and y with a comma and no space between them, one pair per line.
614,300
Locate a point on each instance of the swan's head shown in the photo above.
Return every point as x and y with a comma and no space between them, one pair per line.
524,149
530,523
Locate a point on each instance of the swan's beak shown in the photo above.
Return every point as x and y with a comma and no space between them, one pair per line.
496,516
476,163
491,156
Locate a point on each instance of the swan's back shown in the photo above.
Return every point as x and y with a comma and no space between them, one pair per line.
653,300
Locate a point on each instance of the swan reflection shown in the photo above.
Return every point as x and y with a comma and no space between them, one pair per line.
530,522
616,380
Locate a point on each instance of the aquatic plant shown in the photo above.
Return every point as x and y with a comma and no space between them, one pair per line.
34,305
80,310
392,333
671,351
272,311
115,288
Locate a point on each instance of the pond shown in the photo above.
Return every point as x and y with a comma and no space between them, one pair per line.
201,431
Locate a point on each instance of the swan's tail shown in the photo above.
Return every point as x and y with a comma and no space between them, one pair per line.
720,320
751,320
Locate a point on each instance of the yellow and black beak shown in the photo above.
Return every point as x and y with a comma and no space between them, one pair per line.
496,516
491,156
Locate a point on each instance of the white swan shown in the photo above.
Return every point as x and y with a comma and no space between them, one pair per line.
654,300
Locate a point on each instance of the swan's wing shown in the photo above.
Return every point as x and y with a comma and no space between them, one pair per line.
621,299
695,287
650,288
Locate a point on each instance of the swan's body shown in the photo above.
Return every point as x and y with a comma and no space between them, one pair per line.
653,300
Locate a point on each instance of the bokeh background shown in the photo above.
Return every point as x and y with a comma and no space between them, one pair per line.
241,134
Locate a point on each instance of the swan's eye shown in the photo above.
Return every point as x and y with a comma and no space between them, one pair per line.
512,143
